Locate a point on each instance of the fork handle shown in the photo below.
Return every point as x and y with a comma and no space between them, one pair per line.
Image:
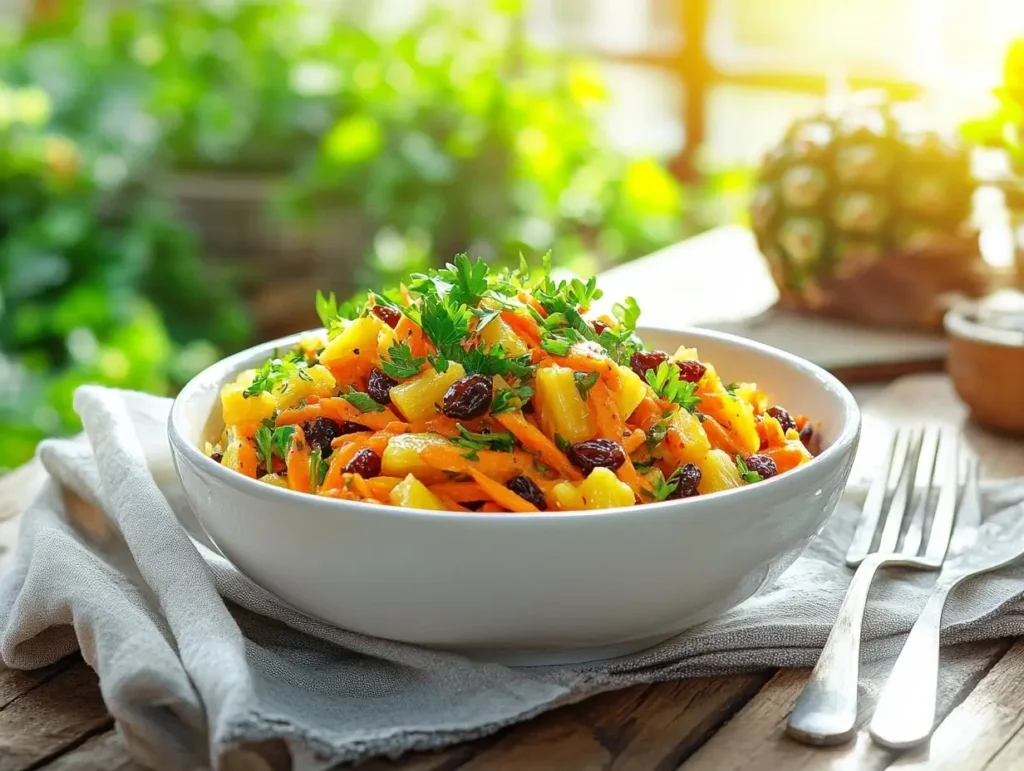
905,714
826,712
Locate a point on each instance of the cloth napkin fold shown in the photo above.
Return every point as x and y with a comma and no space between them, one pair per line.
198,664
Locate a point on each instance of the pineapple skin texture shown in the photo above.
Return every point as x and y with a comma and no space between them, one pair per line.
420,399
600,490
410,493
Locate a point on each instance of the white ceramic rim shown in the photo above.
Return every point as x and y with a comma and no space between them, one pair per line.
222,369
957,323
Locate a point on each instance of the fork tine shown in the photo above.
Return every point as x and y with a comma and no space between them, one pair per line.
945,509
864,535
901,497
924,480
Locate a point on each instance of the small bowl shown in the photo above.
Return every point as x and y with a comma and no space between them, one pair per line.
554,587
986,359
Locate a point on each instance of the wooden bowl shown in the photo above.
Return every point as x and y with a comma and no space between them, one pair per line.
986,359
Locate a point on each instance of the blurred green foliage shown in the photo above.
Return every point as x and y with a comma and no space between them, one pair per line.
445,132
1003,128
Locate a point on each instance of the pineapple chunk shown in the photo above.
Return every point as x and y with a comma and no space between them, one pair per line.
601,490
632,391
684,353
736,417
241,410
316,381
718,472
499,333
561,409
413,494
402,457
276,480
357,339
240,455
419,399
688,443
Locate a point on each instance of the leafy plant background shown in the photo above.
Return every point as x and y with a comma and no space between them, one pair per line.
446,133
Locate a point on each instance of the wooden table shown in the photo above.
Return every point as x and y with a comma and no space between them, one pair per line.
55,719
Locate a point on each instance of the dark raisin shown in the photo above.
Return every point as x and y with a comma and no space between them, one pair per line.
763,465
217,457
366,463
691,370
320,432
527,489
641,361
260,472
468,397
599,326
784,418
278,465
597,453
379,386
386,313
807,435
687,481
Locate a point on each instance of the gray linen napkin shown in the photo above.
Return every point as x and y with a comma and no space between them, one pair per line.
196,663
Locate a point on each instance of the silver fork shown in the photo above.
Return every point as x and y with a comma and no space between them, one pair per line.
826,712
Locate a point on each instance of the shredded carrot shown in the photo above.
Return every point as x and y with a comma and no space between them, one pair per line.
355,436
532,438
636,439
297,462
501,495
647,413
525,326
408,332
789,456
769,430
605,411
450,504
342,411
360,486
718,436
381,487
460,492
491,508
500,465
247,458
299,415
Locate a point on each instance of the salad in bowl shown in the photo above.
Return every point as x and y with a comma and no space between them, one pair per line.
488,391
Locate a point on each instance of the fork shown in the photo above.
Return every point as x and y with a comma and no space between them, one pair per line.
826,711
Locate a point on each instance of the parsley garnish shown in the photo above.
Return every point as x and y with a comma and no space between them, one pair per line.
748,476
508,399
502,442
317,470
362,402
401,363
332,315
627,313
463,280
554,345
657,433
276,372
584,382
270,442
562,443
662,488
666,383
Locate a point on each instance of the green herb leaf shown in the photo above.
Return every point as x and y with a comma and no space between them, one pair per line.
508,399
666,383
748,476
400,362
662,488
562,443
500,442
317,470
282,440
627,313
584,382
334,315
362,402
657,434
275,372
555,345
264,445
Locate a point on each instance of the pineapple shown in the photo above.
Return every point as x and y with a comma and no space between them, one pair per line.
497,332
718,472
560,408
848,189
402,457
413,494
632,391
420,399
601,490
314,381
238,409
359,336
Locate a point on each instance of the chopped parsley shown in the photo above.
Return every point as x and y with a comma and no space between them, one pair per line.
317,470
273,441
666,383
748,476
662,488
657,433
276,372
400,362
334,315
562,443
362,402
508,399
473,443
584,382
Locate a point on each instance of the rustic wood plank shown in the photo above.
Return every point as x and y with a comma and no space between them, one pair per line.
104,751
15,683
442,760
640,728
48,720
984,731
755,738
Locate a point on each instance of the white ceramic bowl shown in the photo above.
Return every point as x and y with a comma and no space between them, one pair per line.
526,589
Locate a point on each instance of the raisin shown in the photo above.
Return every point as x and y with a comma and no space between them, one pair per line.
687,481
366,463
379,386
763,465
807,435
468,397
527,489
784,418
278,466
388,314
217,457
641,361
597,453
320,432
691,370
599,326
